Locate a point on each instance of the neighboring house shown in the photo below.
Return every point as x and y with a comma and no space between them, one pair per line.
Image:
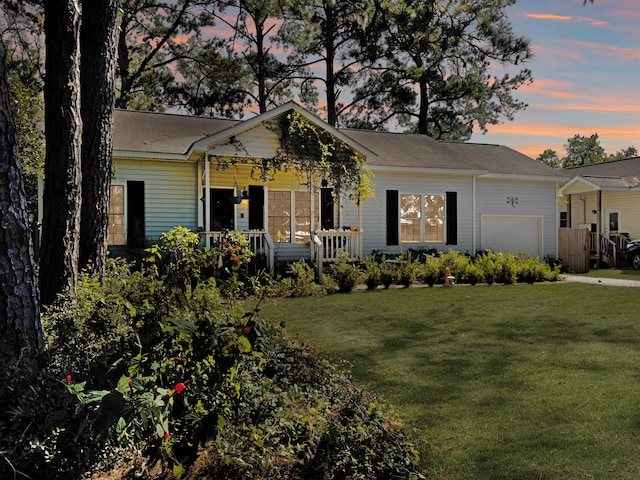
428,194
605,199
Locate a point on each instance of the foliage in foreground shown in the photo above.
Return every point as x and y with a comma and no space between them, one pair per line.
156,373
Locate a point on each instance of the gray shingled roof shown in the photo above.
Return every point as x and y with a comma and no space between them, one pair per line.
409,151
628,167
501,160
618,174
148,132
162,133
421,151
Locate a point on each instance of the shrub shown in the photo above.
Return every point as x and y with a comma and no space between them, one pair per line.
509,268
302,282
407,271
457,262
474,274
148,373
346,275
432,269
533,270
372,274
388,273
489,266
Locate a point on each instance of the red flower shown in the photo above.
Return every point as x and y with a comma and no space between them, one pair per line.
166,435
131,382
236,259
179,387
69,378
225,243
177,358
246,329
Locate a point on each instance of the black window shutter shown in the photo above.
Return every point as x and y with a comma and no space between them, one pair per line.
326,212
393,237
136,235
256,207
452,218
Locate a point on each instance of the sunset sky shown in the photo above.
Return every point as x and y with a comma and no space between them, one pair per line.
586,71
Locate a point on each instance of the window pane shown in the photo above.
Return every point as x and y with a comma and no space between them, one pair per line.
280,215
434,220
115,229
410,215
303,217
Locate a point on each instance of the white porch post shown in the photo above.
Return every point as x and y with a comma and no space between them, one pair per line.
207,194
313,205
265,207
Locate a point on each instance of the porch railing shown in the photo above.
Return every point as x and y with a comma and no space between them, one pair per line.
260,243
607,248
332,245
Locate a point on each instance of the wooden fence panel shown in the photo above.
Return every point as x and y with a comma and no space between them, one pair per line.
573,248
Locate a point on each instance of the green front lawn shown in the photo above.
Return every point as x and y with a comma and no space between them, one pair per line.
495,382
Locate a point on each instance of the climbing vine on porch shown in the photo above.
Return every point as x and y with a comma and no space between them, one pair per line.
311,149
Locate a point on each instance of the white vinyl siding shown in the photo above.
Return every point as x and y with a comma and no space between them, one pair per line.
628,205
374,214
171,196
259,142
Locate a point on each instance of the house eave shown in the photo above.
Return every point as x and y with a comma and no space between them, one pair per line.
425,170
152,155
524,177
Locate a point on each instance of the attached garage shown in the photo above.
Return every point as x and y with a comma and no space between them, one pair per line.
502,232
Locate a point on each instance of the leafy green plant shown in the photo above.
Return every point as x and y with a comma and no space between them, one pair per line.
407,270
509,271
346,275
532,270
474,274
432,269
146,371
372,274
388,273
457,263
489,266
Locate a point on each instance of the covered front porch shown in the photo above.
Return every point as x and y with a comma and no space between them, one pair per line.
599,206
291,203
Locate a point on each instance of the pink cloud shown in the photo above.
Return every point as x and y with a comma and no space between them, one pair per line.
566,18
548,16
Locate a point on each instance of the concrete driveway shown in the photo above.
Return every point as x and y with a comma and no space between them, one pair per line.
614,282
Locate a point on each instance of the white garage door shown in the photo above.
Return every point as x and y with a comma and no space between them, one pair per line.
515,234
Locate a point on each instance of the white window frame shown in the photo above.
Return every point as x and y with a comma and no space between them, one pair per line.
422,218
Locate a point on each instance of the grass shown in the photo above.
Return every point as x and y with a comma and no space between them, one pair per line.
500,382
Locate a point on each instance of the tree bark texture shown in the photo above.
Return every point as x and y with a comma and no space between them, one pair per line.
98,41
20,331
63,133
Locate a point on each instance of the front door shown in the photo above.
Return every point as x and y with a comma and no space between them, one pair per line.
221,211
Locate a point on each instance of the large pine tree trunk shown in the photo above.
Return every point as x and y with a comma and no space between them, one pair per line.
98,38
20,331
63,132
